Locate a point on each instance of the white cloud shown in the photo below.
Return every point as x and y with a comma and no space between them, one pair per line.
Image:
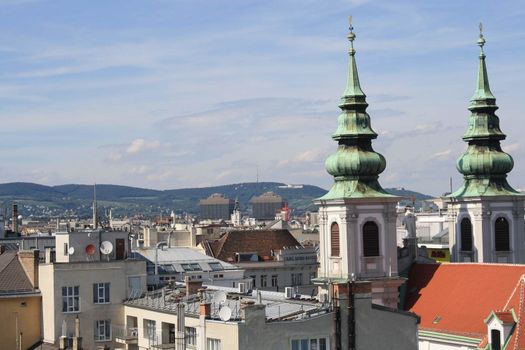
141,145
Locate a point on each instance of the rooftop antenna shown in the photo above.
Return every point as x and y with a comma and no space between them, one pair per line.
451,180
95,220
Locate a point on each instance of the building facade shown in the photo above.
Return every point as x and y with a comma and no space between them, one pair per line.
216,207
266,206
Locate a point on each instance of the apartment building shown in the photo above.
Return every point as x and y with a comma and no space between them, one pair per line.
88,281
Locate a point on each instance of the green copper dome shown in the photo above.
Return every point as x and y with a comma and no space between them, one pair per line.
355,166
484,165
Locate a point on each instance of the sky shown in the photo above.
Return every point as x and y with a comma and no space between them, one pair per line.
186,93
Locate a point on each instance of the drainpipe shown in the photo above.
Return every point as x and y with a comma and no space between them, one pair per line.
351,316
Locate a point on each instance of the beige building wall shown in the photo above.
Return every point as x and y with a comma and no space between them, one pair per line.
20,314
84,275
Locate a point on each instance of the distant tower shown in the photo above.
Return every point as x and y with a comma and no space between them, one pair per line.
95,216
485,215
357,216
236,215
15,218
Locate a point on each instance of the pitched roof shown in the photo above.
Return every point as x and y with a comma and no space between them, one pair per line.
12,275
261,242
457,298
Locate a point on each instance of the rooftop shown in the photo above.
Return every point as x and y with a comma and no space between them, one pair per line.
457,298
277,307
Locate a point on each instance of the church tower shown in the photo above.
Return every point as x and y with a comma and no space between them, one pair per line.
485,215
357,216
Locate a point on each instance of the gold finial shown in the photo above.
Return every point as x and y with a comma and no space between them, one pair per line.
481,40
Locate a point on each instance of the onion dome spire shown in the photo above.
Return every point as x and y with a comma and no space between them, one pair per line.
484,165
355,166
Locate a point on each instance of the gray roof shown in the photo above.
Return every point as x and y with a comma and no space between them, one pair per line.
13,277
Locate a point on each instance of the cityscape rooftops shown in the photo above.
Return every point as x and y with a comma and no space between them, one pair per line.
277,306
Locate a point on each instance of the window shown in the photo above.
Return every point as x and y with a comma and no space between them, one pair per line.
263,281
254,284
370,239
191,267
191,336
213,344
101,293
274,280
149,330
466,235
215,266
70,299
297,279
103,330
502,239
310,344
334,239
495,343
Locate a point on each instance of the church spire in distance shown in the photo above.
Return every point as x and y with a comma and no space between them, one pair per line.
484,165
355,166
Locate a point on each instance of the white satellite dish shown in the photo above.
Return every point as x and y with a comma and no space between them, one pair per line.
225,314
71,250
106,247
219,297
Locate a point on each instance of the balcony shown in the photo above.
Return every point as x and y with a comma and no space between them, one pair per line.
126,335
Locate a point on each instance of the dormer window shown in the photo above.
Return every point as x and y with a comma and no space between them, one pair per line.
500,326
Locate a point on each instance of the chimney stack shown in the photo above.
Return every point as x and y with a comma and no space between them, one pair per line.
15,218
29,260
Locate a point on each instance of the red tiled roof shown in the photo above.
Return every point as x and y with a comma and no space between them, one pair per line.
12,275
505,316
457,298
261,242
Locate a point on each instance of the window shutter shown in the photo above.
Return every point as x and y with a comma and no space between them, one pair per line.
334,239
370,239
466,235
106,287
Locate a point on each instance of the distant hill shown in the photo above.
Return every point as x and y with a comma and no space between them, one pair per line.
40,200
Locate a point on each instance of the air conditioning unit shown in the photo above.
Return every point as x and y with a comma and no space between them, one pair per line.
288,292
242,288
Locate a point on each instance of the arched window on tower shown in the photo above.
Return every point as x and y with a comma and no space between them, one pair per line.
466,235
502,236
334,239
370,239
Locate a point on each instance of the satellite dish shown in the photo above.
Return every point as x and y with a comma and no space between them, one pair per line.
71,250
219,297
106,247
19,217
225,314
90,249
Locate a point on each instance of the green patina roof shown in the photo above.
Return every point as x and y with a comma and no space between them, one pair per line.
355,166
484,165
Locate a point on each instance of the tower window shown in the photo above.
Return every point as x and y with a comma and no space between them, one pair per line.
502,239
370,239
334,239
466,235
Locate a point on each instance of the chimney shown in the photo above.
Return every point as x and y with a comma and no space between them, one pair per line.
192,287
205,309
29,261
15,218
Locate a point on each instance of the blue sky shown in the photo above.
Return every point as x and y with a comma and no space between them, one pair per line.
169,94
